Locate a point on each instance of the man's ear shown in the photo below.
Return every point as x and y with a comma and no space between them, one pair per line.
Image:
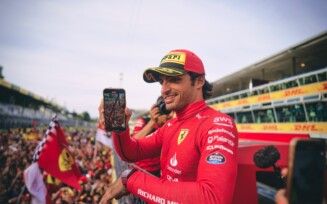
200,81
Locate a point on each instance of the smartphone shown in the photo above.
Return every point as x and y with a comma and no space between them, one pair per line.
114,109
306,171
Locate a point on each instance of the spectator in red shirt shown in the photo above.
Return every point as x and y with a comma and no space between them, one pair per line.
146,125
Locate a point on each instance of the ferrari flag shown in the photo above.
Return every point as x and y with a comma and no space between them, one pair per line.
53,156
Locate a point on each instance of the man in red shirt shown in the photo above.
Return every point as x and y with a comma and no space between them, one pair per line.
198,147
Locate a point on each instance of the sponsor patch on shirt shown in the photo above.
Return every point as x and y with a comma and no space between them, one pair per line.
216,158
223,121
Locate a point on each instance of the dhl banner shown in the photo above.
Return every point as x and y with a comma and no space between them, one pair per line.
299,91
318,127
278,95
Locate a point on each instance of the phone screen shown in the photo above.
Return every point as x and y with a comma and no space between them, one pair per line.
306,172
114,109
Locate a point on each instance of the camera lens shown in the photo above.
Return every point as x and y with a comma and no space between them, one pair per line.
162,108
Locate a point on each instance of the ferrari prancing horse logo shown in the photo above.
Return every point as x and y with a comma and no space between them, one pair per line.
65,160
182,135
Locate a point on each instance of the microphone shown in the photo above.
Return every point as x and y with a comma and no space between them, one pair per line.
267,157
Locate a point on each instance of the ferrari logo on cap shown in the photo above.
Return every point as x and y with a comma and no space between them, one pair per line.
182,135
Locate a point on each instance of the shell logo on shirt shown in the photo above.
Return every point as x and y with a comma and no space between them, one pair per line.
182,135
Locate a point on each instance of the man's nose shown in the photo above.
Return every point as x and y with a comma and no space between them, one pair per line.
164,87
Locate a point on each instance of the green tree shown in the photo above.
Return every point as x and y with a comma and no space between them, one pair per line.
86,116
1,76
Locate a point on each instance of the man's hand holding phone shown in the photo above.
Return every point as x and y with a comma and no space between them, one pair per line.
113,113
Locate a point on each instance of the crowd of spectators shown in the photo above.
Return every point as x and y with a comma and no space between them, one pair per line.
17,147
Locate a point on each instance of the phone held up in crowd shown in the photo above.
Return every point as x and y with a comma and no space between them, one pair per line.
306,171
114,109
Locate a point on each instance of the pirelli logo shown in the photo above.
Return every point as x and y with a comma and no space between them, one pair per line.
174,57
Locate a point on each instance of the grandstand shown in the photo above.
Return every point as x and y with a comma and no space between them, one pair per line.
20,108
306,56
280,97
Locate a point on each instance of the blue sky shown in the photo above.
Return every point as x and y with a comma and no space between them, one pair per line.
69,51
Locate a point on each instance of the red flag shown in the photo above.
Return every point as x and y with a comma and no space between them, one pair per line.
56,159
